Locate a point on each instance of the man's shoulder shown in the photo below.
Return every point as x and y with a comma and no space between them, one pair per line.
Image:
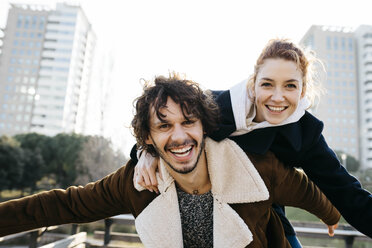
263,162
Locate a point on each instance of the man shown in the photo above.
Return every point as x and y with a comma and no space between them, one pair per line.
210,193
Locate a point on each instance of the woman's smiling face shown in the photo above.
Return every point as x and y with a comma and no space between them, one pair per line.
278,89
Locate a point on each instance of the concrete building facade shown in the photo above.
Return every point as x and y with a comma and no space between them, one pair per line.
338,108
346,108
363,39
45,69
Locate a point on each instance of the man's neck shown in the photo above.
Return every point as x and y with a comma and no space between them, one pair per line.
196,182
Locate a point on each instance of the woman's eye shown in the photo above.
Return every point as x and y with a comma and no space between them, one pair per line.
293,86
265,84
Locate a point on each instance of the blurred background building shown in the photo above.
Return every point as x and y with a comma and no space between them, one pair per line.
346,109
45,70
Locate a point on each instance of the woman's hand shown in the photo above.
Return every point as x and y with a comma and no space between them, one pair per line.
145,172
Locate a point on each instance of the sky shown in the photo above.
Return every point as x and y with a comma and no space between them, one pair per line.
213,42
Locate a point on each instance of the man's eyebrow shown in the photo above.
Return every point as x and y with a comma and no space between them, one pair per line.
157,122
191,116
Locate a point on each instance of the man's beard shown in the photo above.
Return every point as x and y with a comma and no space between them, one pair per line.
182,170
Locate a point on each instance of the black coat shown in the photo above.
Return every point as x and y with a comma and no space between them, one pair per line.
301,144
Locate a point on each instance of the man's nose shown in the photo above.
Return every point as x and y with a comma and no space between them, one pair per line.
277,95
179,133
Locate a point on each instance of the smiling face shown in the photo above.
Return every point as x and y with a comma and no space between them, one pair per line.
278,89
178,140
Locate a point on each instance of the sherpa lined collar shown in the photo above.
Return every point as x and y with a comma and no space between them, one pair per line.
234,179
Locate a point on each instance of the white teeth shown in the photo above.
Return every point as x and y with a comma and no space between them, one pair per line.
276,109
181,155
182,150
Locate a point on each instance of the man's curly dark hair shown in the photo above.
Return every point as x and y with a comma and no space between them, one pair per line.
186,93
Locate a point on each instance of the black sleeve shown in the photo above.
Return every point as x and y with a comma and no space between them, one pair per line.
227,123
342,189
133,154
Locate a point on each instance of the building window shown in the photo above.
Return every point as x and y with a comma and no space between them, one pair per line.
335,43
350,44
19,21
329,47
27,22
41,25
343,44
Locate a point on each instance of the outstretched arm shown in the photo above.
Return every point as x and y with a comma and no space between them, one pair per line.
344,191
98,200
292,187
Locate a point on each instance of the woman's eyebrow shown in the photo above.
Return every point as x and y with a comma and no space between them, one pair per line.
267,79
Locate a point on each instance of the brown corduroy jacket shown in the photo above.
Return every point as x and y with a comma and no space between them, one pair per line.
243,190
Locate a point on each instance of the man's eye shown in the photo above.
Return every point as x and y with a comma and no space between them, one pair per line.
189,122
164,126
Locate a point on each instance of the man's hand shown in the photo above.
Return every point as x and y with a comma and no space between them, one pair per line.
331,230
145,172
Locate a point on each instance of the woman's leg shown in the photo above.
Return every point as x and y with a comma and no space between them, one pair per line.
292,239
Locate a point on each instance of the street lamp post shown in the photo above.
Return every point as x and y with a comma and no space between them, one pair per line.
344,157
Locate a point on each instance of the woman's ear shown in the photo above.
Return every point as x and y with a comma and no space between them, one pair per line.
303,93
250,88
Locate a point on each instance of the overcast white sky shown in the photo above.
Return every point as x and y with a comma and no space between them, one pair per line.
213,42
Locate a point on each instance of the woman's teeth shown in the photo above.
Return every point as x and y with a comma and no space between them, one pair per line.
276,109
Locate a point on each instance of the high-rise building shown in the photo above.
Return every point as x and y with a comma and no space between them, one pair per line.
363,39
346,108
45,69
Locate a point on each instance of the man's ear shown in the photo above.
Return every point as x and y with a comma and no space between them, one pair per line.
149,140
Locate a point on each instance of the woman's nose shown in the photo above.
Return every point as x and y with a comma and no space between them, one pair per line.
277,95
